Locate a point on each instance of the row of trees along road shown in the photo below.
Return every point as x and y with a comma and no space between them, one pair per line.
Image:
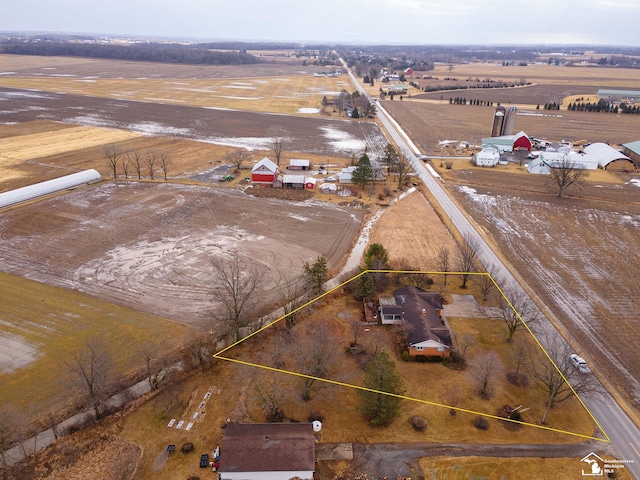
119,160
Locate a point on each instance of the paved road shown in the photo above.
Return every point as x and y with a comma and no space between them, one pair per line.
624,434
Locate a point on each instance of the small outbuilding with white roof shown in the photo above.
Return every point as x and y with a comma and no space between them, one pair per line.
606,155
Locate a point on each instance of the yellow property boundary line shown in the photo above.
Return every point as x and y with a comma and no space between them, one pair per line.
219,355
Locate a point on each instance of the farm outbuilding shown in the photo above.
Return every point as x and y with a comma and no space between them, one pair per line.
328,188
632,150
265,172
345,175
299,164
310,183
581,161
508,143
606,155
538,167
267,451
293,181
41,189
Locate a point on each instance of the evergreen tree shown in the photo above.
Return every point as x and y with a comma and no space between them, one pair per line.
316,274
381,376
363,174
355,113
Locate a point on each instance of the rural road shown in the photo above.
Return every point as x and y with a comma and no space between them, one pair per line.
623,433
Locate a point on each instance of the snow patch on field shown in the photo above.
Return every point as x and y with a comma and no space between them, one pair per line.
298,217
341,141
635,182
308,110
245,87
240,98
154,128
16,352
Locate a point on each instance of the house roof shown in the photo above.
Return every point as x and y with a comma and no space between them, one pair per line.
268,447
421,321
297,162
266,164
633,146
293,179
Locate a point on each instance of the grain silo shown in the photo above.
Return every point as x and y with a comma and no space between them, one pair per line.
508,127
498,121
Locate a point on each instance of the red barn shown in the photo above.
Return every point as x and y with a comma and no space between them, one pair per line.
265,172
521,140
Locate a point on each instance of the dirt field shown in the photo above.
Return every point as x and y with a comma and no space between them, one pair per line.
146,245
574,252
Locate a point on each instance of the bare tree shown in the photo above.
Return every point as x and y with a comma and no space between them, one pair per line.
566,173
278,140
516,309
134,158
92,370
315,353
156,365
557,378
236,158
453,397
403,167
112,153
165,161
271,392
486,367
460,346
487,283
293,294
518,355
443,261
467,260
126,163
234,286
151,160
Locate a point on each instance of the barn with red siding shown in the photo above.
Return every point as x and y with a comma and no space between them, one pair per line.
265,172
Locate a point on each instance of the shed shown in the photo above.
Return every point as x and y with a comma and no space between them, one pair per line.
267,451
310,183
293,181
329,188
345,174
265,172
299,164
538,166
41,189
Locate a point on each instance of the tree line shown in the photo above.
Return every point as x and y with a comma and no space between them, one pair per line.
195,54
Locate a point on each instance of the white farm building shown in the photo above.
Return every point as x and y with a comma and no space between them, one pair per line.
487,157
41,189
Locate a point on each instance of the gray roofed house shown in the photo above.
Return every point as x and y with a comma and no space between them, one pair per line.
269,451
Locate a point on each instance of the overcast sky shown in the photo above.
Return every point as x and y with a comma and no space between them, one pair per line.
604,22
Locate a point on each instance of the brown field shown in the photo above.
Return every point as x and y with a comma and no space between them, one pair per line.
574,252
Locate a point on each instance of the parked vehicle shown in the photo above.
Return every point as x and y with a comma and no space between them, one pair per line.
204,460
579,363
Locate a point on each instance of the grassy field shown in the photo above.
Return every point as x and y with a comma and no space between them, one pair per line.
468,468
287,94
44,326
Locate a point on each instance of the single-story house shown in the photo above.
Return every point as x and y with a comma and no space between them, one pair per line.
310,183
329,188
487,157
265,172
420,314
299,164
293,181
267,451
606,155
